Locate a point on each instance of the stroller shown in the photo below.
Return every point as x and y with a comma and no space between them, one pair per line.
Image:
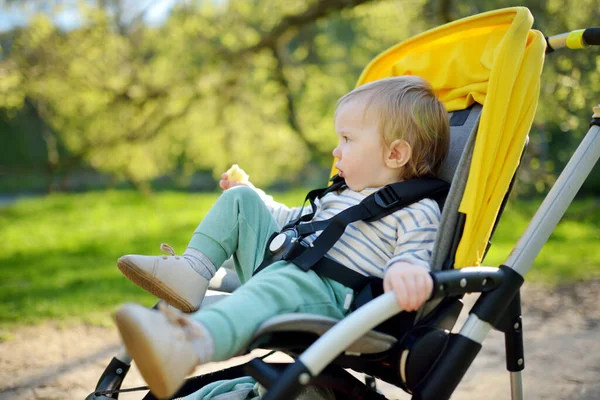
486,69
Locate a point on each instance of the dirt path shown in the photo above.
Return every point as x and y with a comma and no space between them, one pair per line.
562,345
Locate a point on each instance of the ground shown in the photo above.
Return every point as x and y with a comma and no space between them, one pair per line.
562,354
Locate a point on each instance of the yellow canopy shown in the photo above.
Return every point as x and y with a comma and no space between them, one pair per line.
494,59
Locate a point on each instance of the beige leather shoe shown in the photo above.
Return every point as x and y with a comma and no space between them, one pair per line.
160,343
170,278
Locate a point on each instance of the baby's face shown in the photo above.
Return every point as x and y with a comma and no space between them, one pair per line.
361,151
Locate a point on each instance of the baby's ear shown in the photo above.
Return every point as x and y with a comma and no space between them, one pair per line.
398,154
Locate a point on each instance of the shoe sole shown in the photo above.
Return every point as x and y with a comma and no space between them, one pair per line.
154,286
138,346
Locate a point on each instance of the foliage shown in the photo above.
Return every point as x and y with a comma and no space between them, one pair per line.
249,82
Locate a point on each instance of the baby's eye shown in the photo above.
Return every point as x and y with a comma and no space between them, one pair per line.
346,139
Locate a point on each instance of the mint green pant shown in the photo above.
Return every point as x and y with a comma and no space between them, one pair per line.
239,225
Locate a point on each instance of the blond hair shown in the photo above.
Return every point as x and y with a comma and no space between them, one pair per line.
408,109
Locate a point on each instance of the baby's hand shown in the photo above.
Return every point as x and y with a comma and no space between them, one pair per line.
235,176
411,284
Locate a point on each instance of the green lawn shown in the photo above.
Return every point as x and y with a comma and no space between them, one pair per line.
572,252
58,254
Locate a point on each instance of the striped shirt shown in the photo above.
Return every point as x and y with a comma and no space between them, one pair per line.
371,247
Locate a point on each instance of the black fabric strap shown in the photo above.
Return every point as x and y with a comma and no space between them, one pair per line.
328,268
330,235
375,206
311,227
338,183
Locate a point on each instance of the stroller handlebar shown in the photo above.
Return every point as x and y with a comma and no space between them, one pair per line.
465,280
577,39
591,36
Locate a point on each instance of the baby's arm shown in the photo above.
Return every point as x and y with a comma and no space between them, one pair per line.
407,272
411,284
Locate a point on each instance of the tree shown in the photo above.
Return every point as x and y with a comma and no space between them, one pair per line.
252,82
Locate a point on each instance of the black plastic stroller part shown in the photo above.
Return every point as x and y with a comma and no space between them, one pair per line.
265,373
512,326
429,340
492,305
466,280
290,383
343,385
451,367
591,36
441,358
110,381
445,314
420,349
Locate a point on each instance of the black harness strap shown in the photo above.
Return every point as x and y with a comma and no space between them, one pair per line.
334,229
375,206
338,183
332,269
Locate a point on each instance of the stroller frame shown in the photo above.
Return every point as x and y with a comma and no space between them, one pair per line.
498,307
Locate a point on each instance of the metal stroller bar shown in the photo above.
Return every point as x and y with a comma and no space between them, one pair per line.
491,306
487,310
516,385
556,202
577,39
550,212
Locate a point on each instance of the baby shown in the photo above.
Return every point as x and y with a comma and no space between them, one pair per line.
389,131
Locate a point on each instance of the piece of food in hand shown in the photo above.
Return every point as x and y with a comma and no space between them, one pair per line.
236,174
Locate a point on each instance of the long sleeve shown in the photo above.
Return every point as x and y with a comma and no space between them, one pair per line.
417,230
282,213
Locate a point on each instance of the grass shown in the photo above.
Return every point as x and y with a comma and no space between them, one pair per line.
571,253
58,254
